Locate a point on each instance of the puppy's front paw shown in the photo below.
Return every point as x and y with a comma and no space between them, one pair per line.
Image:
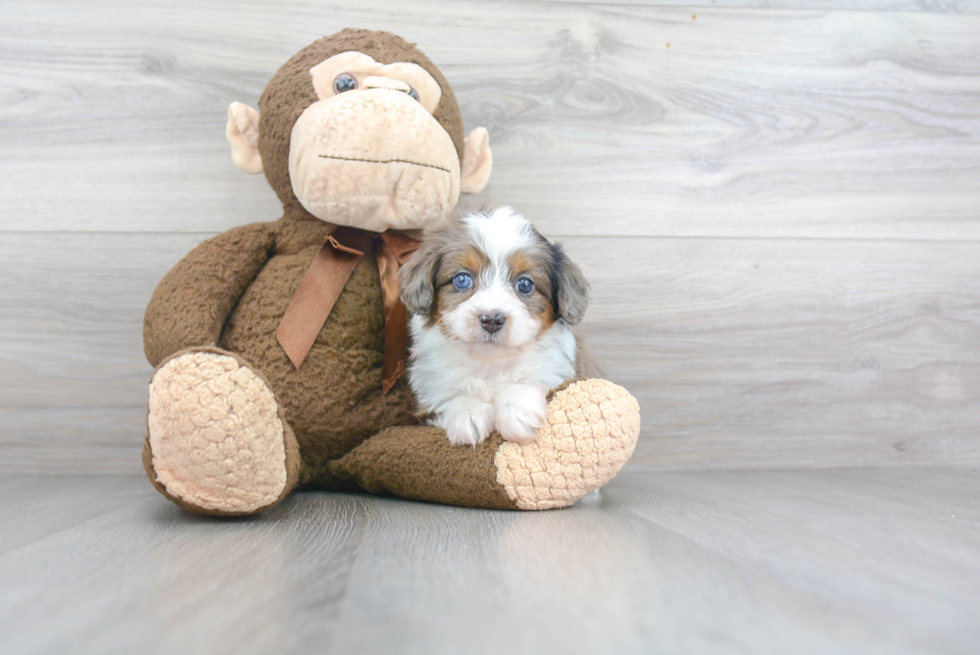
468,422
521,410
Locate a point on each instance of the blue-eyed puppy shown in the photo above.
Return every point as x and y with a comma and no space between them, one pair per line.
492,304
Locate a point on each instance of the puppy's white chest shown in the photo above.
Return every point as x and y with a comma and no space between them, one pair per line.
442,369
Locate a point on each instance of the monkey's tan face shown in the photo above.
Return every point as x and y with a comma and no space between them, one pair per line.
369,153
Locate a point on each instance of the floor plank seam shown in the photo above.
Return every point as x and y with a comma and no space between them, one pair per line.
34,542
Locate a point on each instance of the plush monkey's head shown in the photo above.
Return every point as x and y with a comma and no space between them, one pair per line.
361,129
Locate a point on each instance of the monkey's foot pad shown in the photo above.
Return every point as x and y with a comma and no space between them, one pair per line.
591,431
216,435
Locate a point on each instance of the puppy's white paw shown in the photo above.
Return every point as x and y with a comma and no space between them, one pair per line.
521,410
467,421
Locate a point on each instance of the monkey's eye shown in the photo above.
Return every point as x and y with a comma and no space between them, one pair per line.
344,82
525,285
413,94
463,281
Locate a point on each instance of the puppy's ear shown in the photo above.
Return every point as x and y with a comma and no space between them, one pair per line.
569,286
417,279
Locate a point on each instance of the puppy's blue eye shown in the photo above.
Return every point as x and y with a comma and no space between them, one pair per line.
463,281
525,285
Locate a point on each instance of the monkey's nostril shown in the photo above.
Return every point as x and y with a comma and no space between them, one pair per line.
492,321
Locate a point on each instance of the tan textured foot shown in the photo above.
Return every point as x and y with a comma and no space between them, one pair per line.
216,435
591,431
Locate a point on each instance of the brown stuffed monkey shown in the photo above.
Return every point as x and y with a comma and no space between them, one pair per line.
279,347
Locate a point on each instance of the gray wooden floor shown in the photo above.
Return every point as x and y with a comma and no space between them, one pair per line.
847,561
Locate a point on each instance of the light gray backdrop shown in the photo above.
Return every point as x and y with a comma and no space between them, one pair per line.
778,207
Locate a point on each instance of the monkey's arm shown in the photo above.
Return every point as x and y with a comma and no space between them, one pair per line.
192,302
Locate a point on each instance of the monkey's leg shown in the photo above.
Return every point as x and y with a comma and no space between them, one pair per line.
591,431
217,442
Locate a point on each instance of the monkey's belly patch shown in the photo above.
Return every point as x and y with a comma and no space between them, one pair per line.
215,434
590,433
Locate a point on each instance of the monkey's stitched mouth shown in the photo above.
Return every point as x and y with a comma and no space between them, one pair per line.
387,161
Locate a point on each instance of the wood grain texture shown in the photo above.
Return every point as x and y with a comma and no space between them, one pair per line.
788,197
743,353
36,506
743,562
753,122
817,353
936,6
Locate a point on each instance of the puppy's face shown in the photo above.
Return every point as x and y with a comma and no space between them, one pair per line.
488,295
491,279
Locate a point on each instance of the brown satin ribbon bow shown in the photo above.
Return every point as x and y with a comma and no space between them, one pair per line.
325,279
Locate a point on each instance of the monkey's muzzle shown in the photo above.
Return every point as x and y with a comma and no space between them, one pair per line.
374,159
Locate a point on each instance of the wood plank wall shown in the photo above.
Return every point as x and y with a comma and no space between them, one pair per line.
778,207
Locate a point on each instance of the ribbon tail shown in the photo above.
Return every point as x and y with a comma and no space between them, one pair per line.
396,349
314,299
391,252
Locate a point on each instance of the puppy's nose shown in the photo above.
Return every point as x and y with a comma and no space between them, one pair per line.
492,321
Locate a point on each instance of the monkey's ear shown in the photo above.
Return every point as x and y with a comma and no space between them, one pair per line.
477,162
243,135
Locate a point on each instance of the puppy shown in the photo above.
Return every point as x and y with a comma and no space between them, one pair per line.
492,304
